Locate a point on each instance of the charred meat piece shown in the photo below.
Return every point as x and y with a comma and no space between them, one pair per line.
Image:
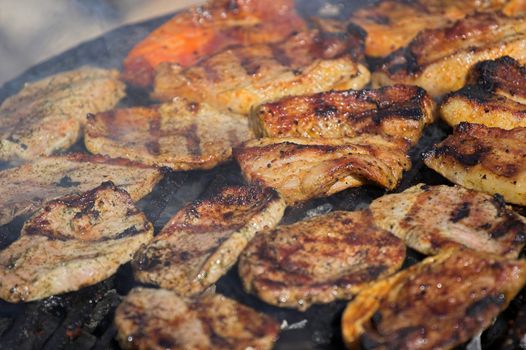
74,242
399,111
319,260
24,189
204,239
47,115
182,135
200,31
437,304
495,97
429,219
490,160
158,319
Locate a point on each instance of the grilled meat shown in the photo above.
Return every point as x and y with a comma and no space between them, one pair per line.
24,189
439,60
74,242
490,160
204,239
436,304
319,260
301,169
496,96
157,319
47,115
181,135
465,217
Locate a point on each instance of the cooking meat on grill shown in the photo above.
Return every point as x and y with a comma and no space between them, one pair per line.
74,242
182,135
490,160
24,189
319,260
439,60
495,97
431,218
204,239
158,319
200,31
47,115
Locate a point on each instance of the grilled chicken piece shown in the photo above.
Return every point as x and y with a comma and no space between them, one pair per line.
24,189
244,76
204,239
301,169
197,32
465,217
399,111
74,242
47,115
181,135
158,319
437,304
496,97
319,260
490,160
439,60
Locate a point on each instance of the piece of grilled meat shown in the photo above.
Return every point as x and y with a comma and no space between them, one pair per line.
47,115
490,160
24,189
158,319
200,31
432,218
438,303
74,242
204,239
399,111
301,168
439,60
319,260
181,135
495,97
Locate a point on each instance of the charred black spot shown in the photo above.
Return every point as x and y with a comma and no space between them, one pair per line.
499,203
485,304
460,212
130,231
367,342
67,182
475,92
165,342
326,111
145,262
192,107
185,256
376,319
510,224
465,159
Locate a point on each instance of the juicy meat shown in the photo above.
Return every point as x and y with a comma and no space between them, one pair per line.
182,135
47,115
204,239
437,304
157,319
399,111
490,160
301,169
319,260
74,242
24,189
495,97
464,217
200,31
439,60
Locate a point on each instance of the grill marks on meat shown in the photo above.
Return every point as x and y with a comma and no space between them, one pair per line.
182,135
74,242
437,304
204,239
429,219
490,160
47,115
159,319
319,260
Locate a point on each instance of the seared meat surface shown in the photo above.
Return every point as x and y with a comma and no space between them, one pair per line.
204,239
74,242
490,160
47,115
158,319
432,218
319,260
